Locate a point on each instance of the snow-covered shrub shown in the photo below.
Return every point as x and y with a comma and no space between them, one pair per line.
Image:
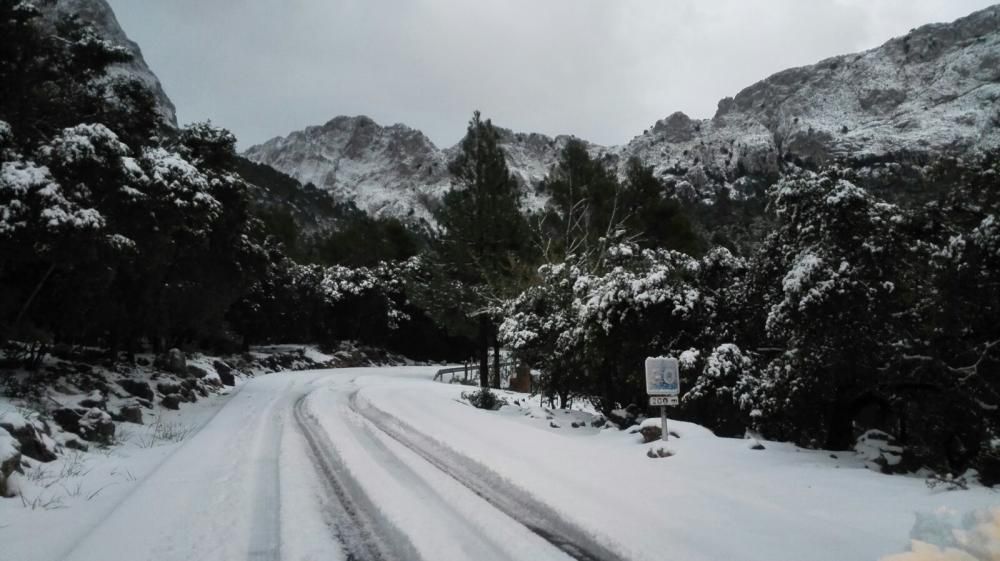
835,280
588,327
722,395
484,398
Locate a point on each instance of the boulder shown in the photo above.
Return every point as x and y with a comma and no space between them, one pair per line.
881,452
167,388
90,424
96,399
171,402
196,371
627,417
10,460
75,443
651,433
225,373
175,362
137,388
129,414
32,438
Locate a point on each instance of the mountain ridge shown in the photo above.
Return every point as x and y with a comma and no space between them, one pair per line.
932,91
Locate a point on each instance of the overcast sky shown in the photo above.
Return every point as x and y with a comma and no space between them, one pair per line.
602,70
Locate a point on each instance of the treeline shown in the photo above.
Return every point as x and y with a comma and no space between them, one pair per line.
852,313
118,231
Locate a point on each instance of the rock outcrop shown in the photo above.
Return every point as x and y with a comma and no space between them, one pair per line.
99,15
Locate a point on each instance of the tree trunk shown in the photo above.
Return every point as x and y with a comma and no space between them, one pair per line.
31,298
484,352
496,361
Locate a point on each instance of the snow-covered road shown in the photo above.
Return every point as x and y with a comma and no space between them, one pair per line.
293,468
384,464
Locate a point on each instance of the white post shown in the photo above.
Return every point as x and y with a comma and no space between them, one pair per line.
663,418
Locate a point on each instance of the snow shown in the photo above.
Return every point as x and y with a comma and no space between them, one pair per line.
20,176
945,535
20,180
8,446
86,143
245,482
11,417
825,508
876,445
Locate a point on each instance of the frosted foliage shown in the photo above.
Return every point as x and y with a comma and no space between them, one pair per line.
31,198
727,374
93,143
689,359
576,302
339,284
839,238
987,235
184,184
647,278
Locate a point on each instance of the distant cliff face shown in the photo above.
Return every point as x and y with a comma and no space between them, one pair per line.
934,91
99,14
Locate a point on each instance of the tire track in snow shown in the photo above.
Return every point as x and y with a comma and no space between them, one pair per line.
513,501
364,533
265,536
471,539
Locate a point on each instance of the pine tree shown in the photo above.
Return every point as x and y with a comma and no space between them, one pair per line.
585,205
484,237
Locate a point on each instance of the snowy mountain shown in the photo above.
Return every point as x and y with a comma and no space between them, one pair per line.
99,14
934,91
394,170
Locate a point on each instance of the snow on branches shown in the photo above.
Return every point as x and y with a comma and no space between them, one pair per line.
31,199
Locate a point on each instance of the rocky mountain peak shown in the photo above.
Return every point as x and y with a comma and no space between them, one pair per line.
99,15
933,91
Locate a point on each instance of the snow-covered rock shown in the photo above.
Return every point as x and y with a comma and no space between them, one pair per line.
175,362
879,450
10,459
31,433
933,91
93,424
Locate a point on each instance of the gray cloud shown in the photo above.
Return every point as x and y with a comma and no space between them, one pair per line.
602,70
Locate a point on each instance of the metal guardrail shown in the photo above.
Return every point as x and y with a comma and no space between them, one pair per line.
470,374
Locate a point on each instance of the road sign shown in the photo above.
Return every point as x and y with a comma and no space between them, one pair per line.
662,400
662,376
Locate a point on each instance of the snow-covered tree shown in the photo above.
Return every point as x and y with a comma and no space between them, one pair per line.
483,235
